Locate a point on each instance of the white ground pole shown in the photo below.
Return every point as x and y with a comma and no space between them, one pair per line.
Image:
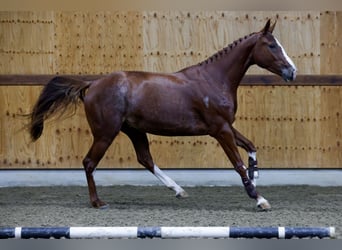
184,178
165,232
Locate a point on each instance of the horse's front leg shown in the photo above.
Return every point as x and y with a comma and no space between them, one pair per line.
227,140
242,141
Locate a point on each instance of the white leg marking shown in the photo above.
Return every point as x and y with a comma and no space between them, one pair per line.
169,182
263,203
261,200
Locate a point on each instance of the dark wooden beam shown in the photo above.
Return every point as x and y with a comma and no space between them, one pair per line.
248,80
301,80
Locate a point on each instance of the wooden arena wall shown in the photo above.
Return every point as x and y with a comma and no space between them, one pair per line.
293,126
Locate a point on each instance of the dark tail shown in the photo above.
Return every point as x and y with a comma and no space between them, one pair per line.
57,96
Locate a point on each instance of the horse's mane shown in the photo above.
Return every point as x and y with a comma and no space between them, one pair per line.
225,50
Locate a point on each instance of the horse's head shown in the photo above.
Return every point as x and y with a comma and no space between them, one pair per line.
269,54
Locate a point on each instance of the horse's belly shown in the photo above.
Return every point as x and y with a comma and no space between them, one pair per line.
165,108
169,124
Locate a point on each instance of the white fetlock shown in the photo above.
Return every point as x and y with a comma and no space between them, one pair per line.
263,203
182,194
171,184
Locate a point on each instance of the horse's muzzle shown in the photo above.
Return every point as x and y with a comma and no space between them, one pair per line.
289,74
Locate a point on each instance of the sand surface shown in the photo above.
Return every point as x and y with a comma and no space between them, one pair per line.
297,206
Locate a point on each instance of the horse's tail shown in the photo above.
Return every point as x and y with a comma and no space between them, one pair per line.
57,95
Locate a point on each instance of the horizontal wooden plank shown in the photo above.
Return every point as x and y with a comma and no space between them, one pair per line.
249,80
301,80
290,126
28,80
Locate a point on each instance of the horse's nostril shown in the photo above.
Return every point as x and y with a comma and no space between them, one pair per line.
289,74
294,74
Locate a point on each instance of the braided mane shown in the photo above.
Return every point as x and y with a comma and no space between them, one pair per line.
225,50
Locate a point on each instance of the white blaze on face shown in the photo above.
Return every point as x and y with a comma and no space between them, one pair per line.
288,59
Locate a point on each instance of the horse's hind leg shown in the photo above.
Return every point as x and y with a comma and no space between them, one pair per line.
95,154
104,130
246,144
141,146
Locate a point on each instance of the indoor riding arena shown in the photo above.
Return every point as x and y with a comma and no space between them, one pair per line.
294,121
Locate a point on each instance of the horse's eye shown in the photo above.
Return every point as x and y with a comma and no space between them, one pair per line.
272,46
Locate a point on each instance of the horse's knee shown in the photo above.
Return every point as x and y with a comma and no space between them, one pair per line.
88,166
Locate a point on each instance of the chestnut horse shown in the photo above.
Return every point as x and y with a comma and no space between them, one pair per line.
197,100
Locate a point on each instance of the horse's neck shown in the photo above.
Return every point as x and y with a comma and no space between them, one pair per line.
230,65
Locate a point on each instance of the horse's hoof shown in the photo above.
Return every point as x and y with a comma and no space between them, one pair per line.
99,205
105,206
263,204
182,194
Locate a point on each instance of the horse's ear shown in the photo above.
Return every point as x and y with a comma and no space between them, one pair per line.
272,27
267,27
